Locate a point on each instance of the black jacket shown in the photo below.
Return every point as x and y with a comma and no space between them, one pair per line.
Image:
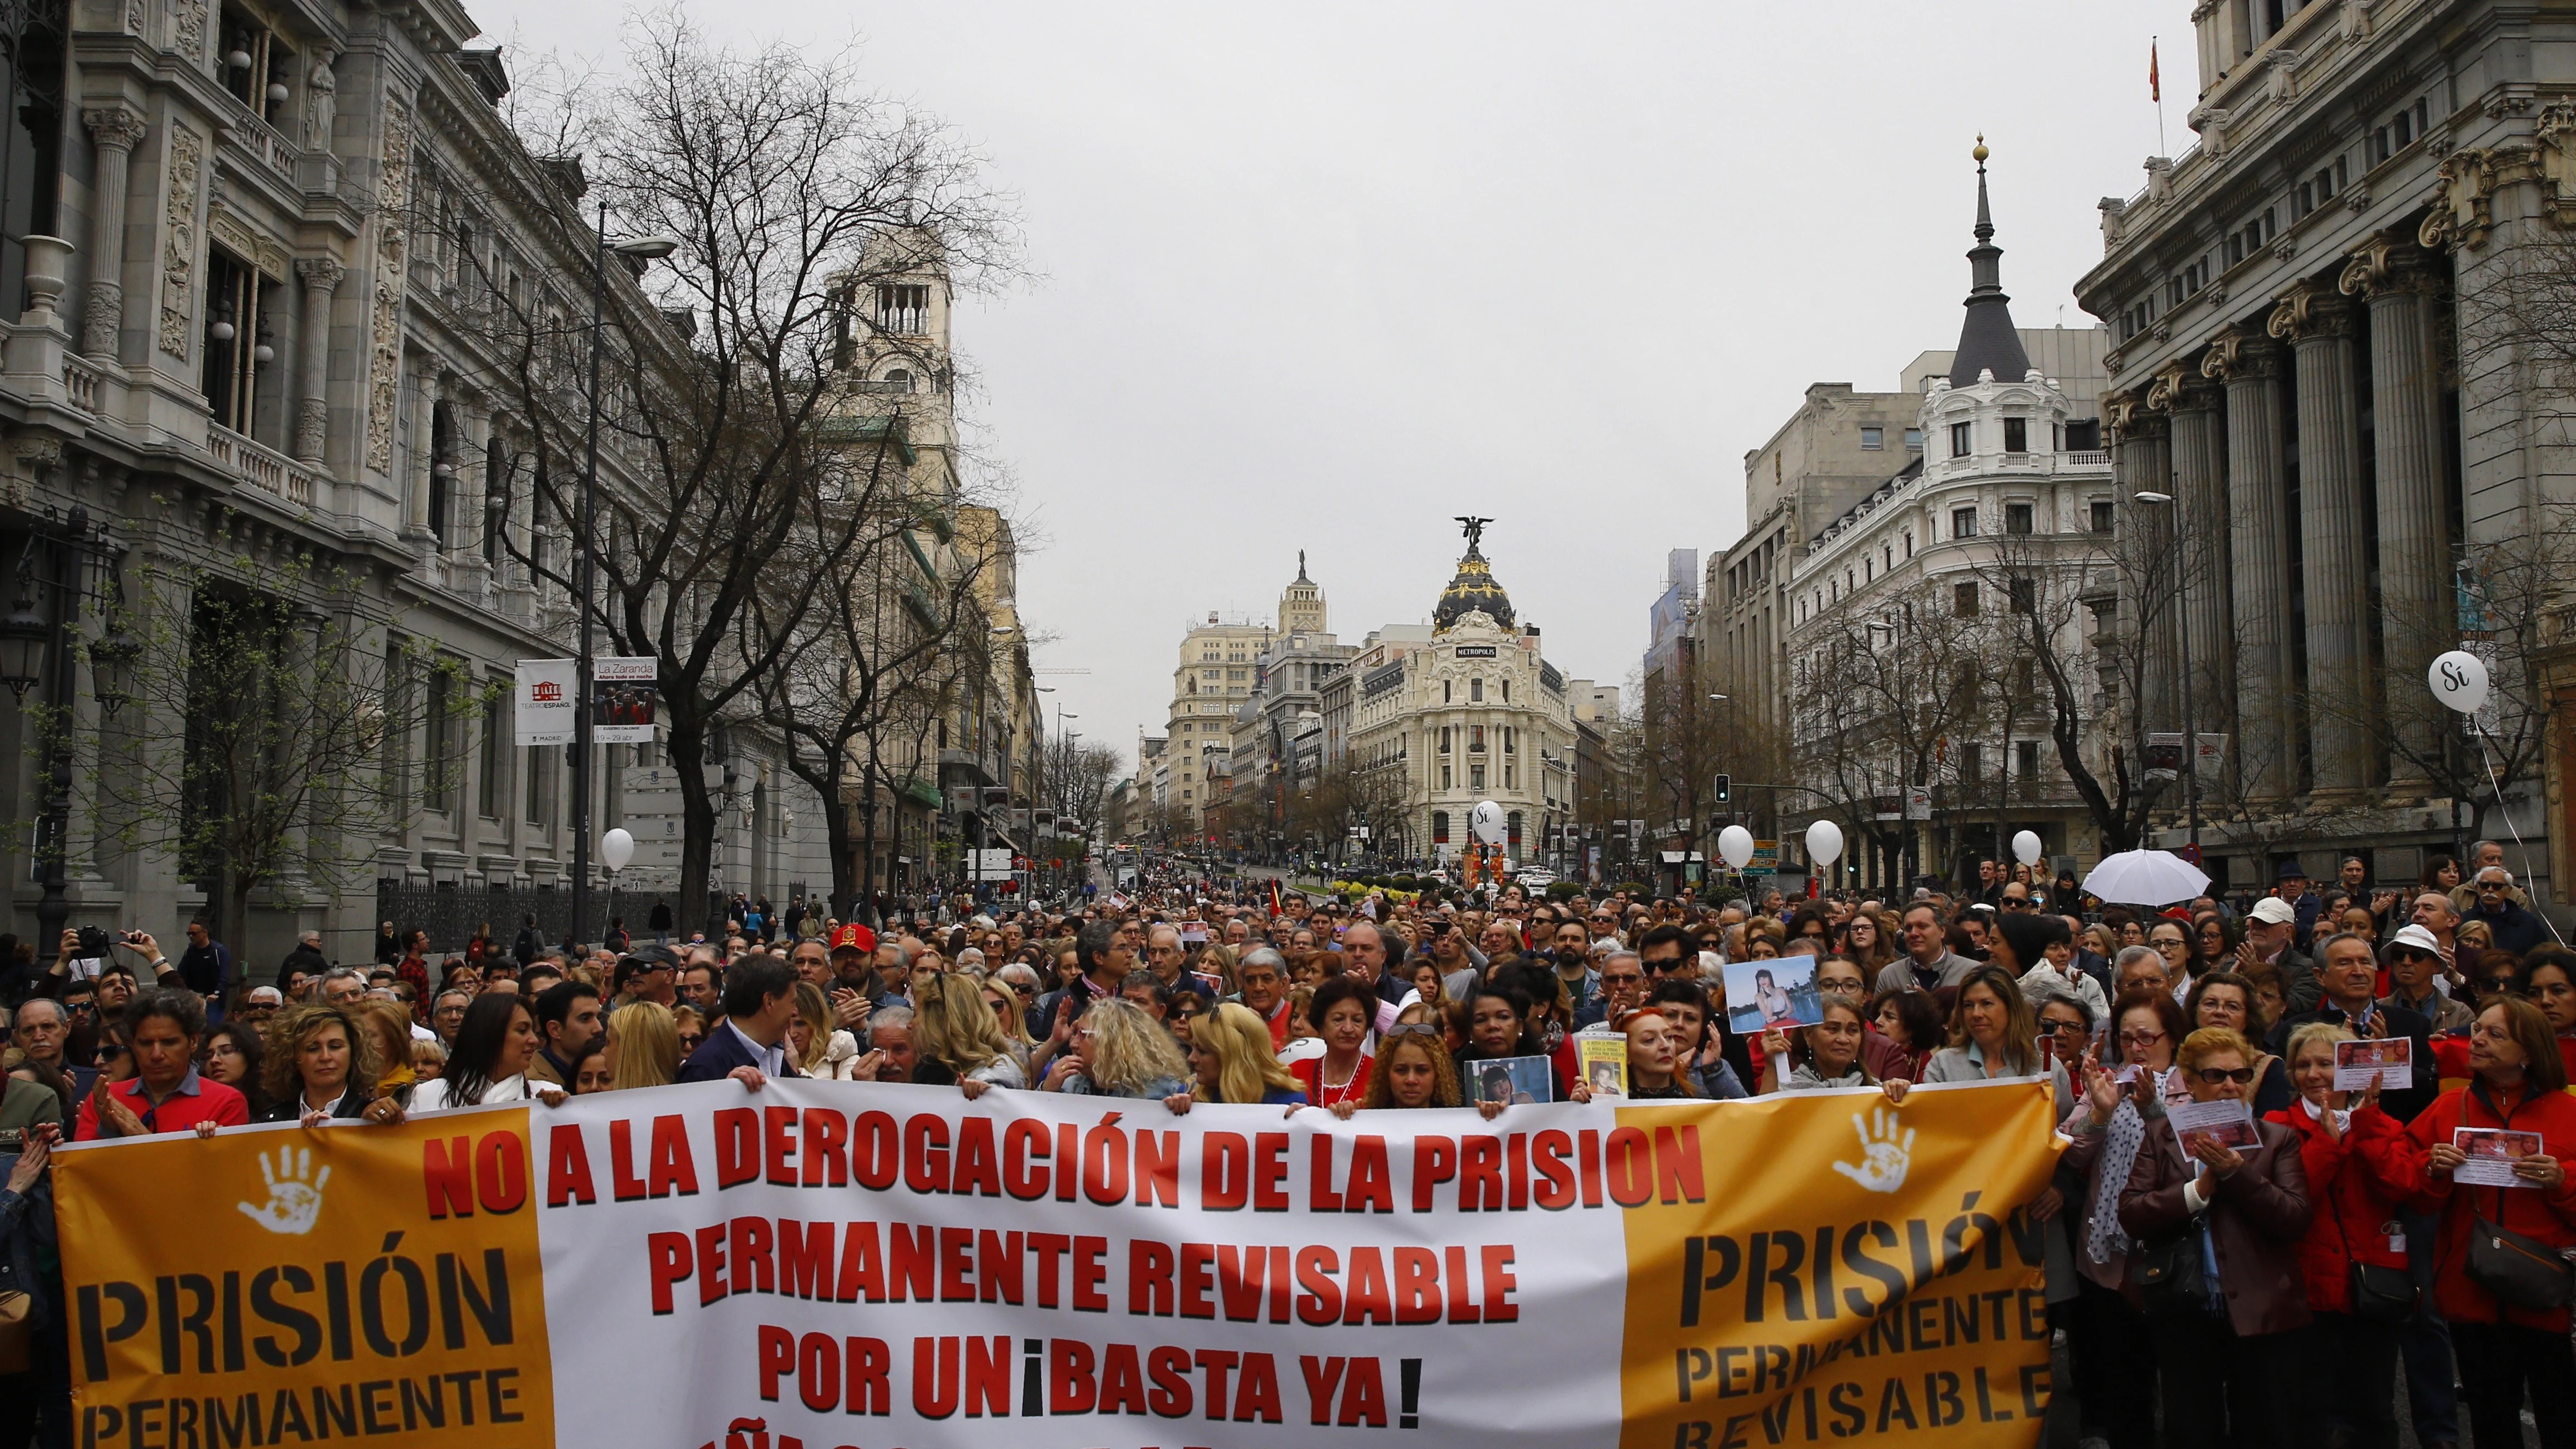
306,959
351,1104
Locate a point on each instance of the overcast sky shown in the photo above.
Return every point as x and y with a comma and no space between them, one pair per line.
1324,275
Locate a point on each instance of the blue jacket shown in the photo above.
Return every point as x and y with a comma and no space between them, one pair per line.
719,1054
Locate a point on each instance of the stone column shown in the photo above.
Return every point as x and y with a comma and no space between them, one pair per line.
424,420
466,500
114,130
2258,524
2417,617
2200,542
2145,463
321,277
2335,572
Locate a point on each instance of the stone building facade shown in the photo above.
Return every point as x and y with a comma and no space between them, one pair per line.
2291,363
248,353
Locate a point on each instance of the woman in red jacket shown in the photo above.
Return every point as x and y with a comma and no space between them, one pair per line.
2517,1081
2357,1167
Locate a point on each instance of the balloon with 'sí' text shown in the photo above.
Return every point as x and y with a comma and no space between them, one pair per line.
2459,680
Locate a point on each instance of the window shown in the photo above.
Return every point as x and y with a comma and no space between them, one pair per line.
541,783
2025,677
1873,439
1963,600
1914,440
1507,691
1440,827
2017,518
2016,435
1476,691
1962,439
236,334
1444,691
1972,762
1476,777
1444,777
2026,758
2083,435
2103,515
903,309
1444,739
1234,674
1510,739
256,68
1909,543
1963,523
2025,596
492,792
1475,739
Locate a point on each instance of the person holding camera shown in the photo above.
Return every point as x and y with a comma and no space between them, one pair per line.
84,953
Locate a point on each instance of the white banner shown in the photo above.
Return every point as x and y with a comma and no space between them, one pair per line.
545,691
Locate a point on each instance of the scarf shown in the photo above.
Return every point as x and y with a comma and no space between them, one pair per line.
2127,1131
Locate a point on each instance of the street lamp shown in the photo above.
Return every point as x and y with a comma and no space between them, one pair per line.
642,249
23,637
2190,725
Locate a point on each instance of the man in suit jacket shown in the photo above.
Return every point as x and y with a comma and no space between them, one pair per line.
750,1044
2236,1364
2348,977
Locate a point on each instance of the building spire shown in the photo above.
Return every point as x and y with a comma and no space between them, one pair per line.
1988,341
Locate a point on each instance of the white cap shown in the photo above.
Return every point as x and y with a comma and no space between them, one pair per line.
2274,911
2414,938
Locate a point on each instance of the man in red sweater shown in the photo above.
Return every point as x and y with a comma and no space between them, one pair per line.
165,1094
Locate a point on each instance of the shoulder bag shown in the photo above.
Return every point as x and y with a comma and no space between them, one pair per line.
2521,1272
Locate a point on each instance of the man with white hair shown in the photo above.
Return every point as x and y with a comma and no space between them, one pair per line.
2514,928
307,956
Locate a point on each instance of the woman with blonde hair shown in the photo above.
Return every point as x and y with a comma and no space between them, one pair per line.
1119,1051
321,1065
815,1044
1231,1059
957,1039
648,1045
388,1023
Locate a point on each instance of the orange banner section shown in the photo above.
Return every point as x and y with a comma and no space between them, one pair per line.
1895,1298
286,1286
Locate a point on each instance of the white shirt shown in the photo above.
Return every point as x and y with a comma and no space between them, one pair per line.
772,1059
432,1095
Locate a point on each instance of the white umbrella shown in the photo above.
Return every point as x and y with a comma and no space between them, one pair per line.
2146,878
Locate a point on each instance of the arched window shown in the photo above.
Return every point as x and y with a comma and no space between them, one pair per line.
1444,691
1440,827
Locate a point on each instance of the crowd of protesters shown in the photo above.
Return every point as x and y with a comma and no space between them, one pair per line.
2264,1294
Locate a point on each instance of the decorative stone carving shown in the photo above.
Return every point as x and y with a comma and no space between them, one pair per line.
225,225
117,127
115,130
320,273
2503,104
321,277
2285,73
2233,354
393,198
2307,310
2159,178
2113,208
2211,122
179,253
188,29
2166,382
321,101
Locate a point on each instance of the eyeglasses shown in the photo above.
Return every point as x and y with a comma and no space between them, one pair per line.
1411,1028
2141,1038
2062,1027
2216,1076
2490,887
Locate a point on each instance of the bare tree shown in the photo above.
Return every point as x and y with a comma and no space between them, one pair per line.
270,733
792,192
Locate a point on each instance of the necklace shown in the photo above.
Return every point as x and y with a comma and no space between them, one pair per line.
1330,1092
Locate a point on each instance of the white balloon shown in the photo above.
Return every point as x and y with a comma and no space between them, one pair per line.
2027,845
1487,821
2459,679
1735,846
1824,842
616,848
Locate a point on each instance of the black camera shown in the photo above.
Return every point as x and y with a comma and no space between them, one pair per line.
93,941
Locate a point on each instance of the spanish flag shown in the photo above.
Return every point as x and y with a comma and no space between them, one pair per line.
2155,86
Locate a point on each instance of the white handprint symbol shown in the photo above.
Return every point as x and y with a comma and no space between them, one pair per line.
293,1203
1887,1150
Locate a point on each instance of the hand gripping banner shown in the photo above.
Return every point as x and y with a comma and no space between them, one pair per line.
829,1264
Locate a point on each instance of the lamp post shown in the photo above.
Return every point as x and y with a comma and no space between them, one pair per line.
644,248
28,640
2190,725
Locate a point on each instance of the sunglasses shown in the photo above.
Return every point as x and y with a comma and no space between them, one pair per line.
1411,1028
2214,1076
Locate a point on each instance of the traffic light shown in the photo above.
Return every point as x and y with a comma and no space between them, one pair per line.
1725,785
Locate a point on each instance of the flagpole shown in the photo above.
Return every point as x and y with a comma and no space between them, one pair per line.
2156,88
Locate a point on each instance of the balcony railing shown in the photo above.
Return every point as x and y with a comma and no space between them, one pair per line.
80,382
260,466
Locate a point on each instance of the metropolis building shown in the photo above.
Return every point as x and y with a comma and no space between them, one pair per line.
2322,352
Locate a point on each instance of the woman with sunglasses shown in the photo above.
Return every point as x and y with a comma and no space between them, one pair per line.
2506,1352
2230,1366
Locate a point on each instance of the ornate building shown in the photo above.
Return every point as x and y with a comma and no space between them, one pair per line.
2318,356
1476,713
2000,515
254,241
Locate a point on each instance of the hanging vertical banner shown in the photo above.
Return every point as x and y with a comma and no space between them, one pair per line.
545,694
821,1264
622,700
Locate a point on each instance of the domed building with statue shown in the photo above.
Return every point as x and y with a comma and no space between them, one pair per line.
1473,713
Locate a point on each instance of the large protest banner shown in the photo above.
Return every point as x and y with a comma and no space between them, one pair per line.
826,1264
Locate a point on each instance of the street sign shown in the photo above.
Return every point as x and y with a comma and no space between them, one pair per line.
991,864
1766,856
1918,802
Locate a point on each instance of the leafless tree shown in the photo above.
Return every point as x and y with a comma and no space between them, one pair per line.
727,480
